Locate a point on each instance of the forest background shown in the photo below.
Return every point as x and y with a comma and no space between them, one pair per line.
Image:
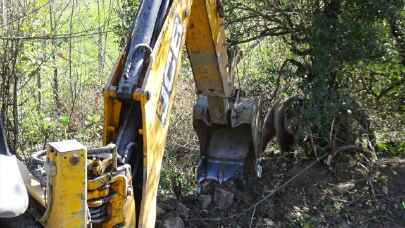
345,57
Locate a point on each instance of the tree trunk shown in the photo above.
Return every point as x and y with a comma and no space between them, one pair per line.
100,68
397,27
5,21
55,80
39,93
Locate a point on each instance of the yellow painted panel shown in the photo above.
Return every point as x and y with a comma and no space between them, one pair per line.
205,45
217,24
160,81
67,195
187,20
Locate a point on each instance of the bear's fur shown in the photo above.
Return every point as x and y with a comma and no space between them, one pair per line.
278,123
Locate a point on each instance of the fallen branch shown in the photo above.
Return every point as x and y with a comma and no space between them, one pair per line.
251,219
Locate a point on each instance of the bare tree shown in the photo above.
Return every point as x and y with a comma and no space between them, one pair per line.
55,86
101,49
10,76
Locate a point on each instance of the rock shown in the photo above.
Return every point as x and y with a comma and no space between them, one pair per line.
182,210
223,198
345,187
268,222
385,190
205,200
173,222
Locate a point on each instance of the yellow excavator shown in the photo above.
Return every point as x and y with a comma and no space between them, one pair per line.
68,185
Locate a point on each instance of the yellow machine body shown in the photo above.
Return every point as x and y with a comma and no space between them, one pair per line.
66,186
153,130
89,187
207,54
110,191
78,183
63,200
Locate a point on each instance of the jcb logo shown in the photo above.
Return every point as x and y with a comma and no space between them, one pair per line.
170,70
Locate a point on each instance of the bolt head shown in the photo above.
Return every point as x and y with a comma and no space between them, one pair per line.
74,160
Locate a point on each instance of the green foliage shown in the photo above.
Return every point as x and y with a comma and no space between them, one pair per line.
174,179
81,55
64,121
392,149
127,13
341,53
37,129
343,33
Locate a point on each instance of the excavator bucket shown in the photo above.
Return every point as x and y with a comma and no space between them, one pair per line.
226,153
232,151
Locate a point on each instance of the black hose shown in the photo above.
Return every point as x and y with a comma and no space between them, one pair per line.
142,34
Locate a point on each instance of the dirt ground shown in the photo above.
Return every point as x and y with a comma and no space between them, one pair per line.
321,197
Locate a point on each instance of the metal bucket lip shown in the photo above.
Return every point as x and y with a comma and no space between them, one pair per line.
219,170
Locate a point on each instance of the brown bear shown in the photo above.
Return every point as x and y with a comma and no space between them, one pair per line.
281,121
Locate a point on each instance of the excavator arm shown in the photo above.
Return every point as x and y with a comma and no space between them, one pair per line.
141,90
116,185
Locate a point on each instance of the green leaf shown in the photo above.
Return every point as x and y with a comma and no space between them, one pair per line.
64,121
